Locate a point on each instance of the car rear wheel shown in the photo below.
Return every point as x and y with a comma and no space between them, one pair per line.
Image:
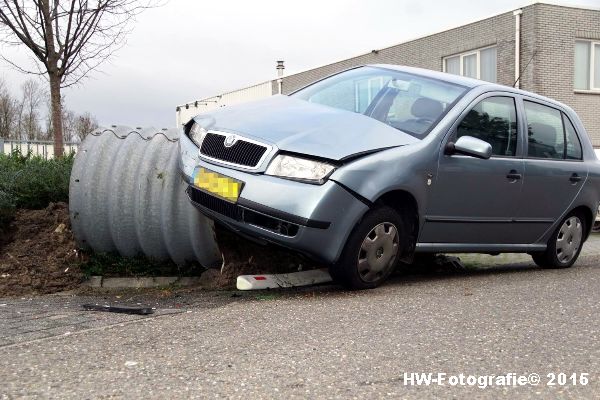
372,251
564,245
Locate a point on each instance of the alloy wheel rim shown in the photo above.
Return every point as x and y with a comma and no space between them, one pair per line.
378,252
568,239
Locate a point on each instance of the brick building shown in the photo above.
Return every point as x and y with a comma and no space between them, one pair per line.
558,50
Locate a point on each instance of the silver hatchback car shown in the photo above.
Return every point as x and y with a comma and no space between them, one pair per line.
367,167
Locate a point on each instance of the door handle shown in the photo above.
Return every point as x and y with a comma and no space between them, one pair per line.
514,175
575,178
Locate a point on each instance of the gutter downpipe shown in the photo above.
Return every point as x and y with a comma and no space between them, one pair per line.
517,14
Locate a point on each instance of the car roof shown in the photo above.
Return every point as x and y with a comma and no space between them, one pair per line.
451,78
465,81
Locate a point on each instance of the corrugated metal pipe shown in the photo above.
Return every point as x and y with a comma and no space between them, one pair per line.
127,196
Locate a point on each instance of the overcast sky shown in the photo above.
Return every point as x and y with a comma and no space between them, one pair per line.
191,49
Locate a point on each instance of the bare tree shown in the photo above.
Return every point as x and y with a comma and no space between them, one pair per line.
8,112
68,38
32,97
68,119
84,125
75,126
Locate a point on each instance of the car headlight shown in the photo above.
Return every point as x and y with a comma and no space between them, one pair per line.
299,168
197,134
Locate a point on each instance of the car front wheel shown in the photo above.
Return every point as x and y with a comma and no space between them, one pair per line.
372,251
564,245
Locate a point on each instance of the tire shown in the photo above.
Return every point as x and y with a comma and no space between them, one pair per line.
596,227
565,243
372,250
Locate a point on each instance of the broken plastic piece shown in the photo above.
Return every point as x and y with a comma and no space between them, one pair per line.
119,309
273,281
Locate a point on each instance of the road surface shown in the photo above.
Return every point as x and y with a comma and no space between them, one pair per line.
318,342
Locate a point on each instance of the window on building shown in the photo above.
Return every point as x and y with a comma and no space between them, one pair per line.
587,65
550,133
478,64
366,90
493,120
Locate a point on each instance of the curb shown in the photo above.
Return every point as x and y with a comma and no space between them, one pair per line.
140,282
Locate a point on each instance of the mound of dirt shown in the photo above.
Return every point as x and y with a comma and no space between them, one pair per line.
6,233
38,253
244,257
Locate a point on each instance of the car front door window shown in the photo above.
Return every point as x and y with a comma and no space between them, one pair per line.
493,120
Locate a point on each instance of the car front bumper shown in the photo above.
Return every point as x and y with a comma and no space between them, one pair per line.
314,219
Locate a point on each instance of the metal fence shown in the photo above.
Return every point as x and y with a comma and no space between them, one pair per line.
42,148
189,110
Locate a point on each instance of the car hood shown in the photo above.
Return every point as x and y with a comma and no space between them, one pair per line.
298,126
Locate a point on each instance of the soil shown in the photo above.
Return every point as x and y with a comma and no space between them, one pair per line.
6,233
244,257
38,253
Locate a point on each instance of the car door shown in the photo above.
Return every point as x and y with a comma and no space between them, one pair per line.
473,201
554,171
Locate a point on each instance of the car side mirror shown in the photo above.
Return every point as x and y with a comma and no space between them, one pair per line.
469,146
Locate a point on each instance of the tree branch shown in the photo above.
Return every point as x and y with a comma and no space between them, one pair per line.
69,38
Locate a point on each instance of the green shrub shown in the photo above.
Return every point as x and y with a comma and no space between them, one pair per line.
7,209
31,182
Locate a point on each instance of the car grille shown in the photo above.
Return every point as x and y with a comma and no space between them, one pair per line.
242,153
238,213
215,204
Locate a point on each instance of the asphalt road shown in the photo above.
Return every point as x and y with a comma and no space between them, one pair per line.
318,342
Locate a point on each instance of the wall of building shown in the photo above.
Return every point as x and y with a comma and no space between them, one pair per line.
557,28
528,50
548,34
428,52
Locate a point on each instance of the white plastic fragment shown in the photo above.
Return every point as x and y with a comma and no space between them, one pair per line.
273,281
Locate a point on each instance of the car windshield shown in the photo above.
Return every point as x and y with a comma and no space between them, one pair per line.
408,102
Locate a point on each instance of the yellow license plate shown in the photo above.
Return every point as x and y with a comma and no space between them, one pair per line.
223,186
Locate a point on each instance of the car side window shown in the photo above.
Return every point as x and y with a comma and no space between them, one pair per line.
493,120
545,132
574,151
551,133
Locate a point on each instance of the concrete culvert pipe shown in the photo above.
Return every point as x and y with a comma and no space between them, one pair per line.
127,196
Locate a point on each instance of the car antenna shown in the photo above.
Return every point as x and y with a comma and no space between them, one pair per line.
525,69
